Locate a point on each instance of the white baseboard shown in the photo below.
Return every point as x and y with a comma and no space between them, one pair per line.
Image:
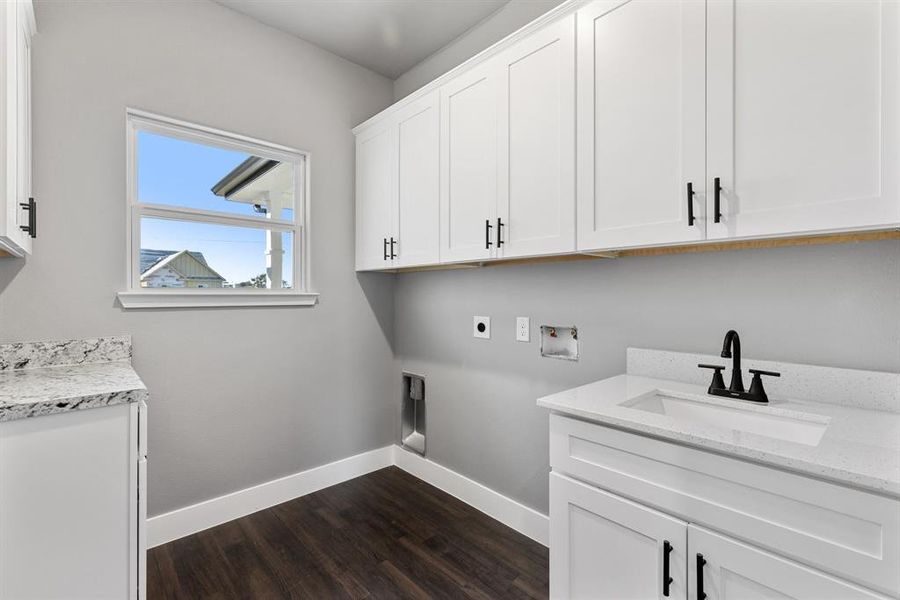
185,521
526,521
203,515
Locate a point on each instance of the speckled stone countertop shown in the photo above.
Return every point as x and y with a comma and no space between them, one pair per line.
43,378
860,447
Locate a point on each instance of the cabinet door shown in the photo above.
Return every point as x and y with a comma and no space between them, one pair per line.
469,129
536,203
803,116
376,160
67,486
605,547
23,118
641,122
416,221
733,570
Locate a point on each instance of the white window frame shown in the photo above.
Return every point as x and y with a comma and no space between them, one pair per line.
137,297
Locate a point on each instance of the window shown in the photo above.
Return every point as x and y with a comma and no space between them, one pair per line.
215,219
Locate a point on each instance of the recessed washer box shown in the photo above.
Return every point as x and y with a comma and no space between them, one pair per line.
481,327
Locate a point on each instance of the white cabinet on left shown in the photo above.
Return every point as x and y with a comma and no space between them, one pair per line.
397,189
18,217
71,505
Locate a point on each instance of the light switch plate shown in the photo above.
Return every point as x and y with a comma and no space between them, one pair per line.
481,327
523,329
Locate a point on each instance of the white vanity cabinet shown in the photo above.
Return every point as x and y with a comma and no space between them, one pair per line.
397,189
736,529
18,218
73,505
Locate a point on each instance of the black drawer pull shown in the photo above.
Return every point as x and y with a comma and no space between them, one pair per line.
690,201
499,232
385,249
717,196
667,579
31,207
701,595
487,234
393,241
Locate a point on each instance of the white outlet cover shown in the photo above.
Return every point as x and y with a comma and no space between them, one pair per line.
481,327
523,329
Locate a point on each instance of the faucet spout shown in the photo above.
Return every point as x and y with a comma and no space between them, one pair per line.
732,349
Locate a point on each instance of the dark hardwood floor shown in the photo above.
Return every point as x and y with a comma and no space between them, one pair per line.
384,535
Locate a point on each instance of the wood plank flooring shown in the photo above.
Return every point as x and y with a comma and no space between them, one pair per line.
383,535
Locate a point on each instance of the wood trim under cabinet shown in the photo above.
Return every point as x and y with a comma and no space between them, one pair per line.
814,240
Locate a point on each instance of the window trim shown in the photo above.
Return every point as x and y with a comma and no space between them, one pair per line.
134,296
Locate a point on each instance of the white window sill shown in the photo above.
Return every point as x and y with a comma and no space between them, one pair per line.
200,298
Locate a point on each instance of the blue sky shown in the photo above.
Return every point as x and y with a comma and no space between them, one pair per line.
176,172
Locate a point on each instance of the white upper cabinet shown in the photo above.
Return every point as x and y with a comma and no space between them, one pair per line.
803,116
536,200
18,219
469,169
397,189
618,124
416,218
641,132
376,184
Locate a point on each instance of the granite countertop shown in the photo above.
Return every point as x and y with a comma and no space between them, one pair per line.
43,378
860,447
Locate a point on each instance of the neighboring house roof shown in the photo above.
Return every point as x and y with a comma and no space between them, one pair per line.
174,262
150,257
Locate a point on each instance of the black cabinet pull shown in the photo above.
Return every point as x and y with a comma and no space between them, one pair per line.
667,580
31,207
717,193
690,201
701,595
393,241
487,234
385,248
499,232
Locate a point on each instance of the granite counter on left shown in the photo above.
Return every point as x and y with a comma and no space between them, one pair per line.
43,378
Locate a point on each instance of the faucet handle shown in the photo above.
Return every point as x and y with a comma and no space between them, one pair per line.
756,386
717,382
761,372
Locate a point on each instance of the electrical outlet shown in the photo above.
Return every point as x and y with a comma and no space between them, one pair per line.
523,329
481,327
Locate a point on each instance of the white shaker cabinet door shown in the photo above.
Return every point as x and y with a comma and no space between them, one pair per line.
803,116
469,130
641,122
603,547
376,162
725,569
416,218
536,209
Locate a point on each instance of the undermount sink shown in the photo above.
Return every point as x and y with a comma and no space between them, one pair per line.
767,421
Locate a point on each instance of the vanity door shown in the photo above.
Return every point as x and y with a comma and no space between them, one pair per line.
720,568
605,547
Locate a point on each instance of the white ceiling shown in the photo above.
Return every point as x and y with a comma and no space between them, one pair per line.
387,36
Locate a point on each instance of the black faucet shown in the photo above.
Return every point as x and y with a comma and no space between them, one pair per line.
732,349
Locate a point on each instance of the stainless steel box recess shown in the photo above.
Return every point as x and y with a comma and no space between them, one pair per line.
412,414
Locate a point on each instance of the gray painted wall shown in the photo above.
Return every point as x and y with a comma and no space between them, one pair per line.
508,19
239,396
827,305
